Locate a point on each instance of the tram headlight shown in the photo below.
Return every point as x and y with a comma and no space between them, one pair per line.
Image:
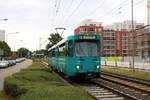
97,66
78,67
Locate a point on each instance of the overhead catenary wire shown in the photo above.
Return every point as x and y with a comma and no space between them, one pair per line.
98,7
53,15
117,10
111,12
66,9
114,8
135,4
69,6
139,2
57,6
66,19
92,11
57,9
74,11
55,12
55,3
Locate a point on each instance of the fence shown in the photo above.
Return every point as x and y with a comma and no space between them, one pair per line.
143,66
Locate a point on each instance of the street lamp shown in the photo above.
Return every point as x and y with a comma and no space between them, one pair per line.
16,43
9,34
3,19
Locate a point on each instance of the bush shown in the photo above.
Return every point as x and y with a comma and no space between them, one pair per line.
16,87
55,93
38,83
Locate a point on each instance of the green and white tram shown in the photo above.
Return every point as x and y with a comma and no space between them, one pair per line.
77,55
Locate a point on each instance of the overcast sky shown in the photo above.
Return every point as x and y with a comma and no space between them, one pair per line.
38,18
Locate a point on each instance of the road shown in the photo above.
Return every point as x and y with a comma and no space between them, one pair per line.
11,70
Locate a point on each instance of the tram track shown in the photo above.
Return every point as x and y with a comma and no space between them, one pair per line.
104,89
100,92
97,91
112,88
135,90
129,78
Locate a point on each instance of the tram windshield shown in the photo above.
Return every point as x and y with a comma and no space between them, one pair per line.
86,48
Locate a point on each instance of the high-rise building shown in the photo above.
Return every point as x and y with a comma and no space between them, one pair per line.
2,35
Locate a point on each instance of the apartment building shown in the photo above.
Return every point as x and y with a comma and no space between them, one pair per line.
113,42
116,43
88,27
143,44
125,25
109,47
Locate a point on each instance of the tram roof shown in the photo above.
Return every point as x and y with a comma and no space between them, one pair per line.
68,38
59,43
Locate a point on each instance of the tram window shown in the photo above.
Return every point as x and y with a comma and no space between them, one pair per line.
70,48
50,54
86,48
55,52
62,50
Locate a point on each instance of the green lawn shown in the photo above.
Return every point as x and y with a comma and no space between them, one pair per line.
38,83
125,71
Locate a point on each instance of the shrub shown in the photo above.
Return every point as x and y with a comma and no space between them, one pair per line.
38,83
55,93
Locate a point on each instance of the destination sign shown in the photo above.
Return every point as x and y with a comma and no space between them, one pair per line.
87,37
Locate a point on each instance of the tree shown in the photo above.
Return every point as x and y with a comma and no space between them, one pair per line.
6,48
42,51
54,38
22,52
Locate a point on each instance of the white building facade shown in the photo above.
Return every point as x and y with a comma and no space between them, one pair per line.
126,25
89,22
2,35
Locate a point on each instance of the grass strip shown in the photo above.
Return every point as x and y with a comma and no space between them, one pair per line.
125,71
38,83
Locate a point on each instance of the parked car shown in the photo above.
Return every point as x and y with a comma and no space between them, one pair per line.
18,60
12,62
4,64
